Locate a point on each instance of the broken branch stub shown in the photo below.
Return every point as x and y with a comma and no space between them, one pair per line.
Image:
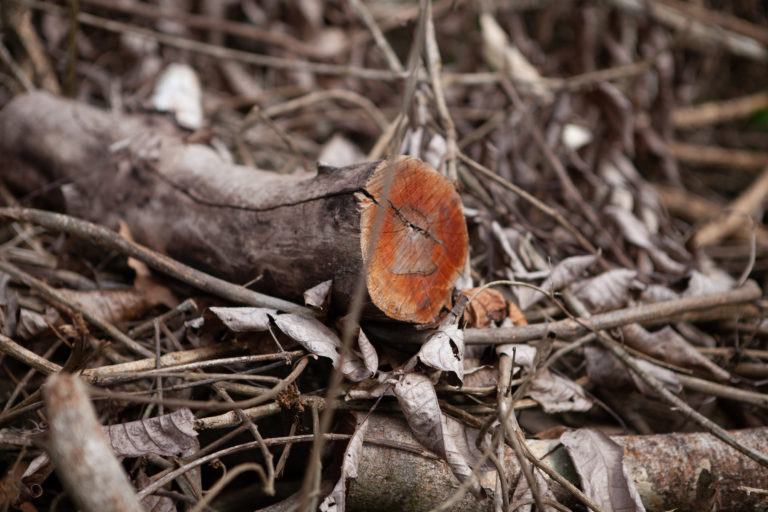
286,233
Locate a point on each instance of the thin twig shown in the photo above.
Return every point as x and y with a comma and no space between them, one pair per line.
105,237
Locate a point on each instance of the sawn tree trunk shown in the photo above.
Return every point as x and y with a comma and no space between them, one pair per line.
286,232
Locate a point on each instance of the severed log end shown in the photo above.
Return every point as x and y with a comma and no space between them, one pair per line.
422,244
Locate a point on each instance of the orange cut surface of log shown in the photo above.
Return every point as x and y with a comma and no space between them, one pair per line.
422,244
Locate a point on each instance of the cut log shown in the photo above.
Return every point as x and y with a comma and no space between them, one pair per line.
692,471
286,232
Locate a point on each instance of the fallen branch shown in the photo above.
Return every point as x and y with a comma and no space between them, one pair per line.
667,471
647,314
81,453
285,232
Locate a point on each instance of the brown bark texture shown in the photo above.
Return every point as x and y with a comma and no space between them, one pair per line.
287,232
686,472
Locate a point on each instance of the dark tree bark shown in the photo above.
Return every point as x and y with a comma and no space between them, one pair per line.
288,232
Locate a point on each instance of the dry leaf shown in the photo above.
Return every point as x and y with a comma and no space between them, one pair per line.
244,319
178,90
667,345
114,306
335,501
523,491
599,462
604,369
444,436
716,281
319,295
444,351
162,435
609,290
169,434
563,274
368,352
556,393
311,334
488,306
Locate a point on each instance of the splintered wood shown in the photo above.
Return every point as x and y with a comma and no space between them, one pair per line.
422,243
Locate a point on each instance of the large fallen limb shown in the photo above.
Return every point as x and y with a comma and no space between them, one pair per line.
287,232
670,471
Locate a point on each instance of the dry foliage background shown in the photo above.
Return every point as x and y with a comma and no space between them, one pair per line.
613,152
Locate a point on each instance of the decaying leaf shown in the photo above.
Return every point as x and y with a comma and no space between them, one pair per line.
418,401
335,501
112,305
523,491
162,435
667,345
444,351
555,393
487,306
599,462
169,434
153,503
637,233
563,274
368,352
609,290
311,334
319,295
244,319
604,369
502,55
715,281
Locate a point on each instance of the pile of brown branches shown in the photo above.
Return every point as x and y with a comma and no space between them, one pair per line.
612,162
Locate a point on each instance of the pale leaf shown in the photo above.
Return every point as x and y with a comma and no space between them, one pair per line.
368,351
603,369
444,351
599,462
418,401
318,295
558,394
244,319
609,290
563,274
311,334
666,344
335,501
523,492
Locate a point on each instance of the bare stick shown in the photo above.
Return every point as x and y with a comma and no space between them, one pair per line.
105,237
84,461
738,213
655,313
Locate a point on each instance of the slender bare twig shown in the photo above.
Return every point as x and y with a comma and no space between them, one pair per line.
105,237
221,52
434,67
170,476
378,37
648,314
26,356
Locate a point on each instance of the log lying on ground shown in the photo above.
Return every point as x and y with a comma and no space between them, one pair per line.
288,232
670,471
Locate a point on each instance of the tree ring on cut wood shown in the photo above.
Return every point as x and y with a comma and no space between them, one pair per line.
422,244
